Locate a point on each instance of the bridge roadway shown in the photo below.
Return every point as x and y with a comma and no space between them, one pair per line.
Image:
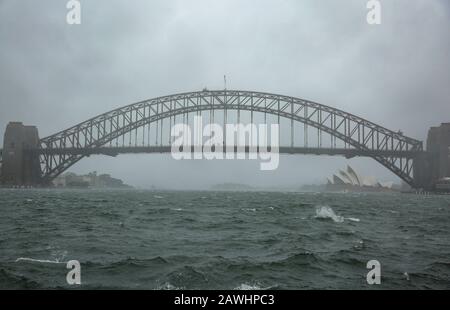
114,151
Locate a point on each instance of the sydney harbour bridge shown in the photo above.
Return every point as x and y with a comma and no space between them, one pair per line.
306,127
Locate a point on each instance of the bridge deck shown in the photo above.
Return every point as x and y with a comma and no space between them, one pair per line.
114,151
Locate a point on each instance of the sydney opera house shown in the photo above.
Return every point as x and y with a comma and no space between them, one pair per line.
349,180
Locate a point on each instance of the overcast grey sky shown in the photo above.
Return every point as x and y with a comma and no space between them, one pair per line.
54,75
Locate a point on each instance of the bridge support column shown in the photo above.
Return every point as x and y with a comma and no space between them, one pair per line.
20,167
422,171
434,164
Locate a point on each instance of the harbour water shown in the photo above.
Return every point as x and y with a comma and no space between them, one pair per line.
132,239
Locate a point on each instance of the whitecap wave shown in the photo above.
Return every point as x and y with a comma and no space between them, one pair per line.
353,219
326,212
167,286
247,287
250,287
46,261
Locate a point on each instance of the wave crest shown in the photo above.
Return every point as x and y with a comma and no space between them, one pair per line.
47,261
326,212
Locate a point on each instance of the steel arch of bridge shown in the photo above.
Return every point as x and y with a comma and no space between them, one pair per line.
355,131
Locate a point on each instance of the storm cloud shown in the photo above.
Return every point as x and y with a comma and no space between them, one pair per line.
54,75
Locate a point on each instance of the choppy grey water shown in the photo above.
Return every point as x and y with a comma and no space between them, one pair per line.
222,240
